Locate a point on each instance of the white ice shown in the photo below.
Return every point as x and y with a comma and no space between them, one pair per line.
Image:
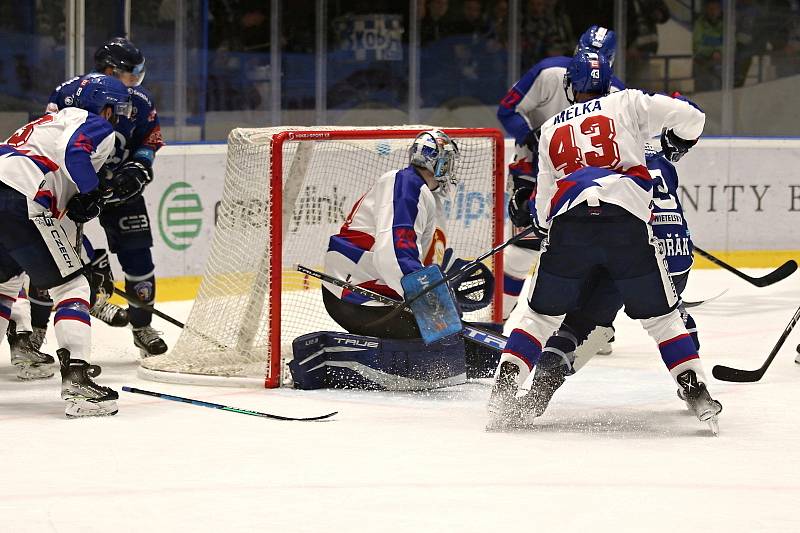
616,451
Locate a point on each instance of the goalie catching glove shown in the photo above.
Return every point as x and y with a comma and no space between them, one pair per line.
473,290
128,182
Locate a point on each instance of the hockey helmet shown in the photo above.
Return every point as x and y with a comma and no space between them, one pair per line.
95,91
588,72
436,151
602,40
124,57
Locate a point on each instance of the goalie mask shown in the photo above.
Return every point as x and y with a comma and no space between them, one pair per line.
436,151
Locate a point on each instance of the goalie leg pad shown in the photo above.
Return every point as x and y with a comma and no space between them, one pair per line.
329,359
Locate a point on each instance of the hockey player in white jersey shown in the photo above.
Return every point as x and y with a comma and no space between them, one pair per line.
537,96
394,230
48,171
592,206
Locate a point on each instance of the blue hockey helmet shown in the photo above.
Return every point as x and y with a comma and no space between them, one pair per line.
126,60
95,91
600,39
437,152
588,72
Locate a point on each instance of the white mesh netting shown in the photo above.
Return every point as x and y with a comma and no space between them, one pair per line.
231,335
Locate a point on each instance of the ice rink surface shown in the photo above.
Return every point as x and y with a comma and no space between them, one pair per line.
616,451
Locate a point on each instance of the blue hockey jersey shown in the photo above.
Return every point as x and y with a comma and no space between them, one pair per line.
669,223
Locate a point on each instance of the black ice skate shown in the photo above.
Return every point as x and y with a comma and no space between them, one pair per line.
84,397
545,383
698,399
111,314
26,357
504,411
149,341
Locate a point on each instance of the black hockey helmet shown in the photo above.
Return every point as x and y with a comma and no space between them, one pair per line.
123,56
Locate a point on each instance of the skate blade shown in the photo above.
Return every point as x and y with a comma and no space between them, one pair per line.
713,425
33,371
84,408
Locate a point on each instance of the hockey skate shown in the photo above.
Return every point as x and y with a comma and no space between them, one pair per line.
149,341
698,400
25,355
503,407
84,397
111,314
545,383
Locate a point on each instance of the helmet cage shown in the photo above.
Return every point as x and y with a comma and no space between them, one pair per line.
435,151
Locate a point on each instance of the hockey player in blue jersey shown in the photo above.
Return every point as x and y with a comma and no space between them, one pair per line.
592,206
48,171
126,223
537,96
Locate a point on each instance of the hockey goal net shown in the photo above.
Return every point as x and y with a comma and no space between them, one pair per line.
286,191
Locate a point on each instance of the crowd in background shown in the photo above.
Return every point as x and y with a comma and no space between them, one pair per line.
464,48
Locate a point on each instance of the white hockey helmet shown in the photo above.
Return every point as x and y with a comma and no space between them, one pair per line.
436,151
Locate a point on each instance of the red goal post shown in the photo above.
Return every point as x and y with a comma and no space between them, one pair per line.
270,220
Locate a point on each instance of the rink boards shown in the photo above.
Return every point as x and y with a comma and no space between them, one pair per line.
741,198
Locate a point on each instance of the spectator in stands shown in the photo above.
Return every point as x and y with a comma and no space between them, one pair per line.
497,26
437,23
707,47
540,36
751,37
784,33
644,16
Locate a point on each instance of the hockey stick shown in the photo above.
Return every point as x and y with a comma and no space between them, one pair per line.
485,337
782,272
688,304
149,308
174,321
201,403
726,373
453,276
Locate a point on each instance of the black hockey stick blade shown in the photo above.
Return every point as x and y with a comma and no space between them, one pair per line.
726,373
782,272
688,304
221,407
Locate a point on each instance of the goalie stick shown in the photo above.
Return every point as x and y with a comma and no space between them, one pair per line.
726,373
782,272
201,403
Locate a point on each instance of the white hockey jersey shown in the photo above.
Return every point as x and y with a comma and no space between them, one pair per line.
594,151
56,156
537,96
396,228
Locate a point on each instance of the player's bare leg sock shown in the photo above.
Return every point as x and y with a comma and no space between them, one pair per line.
517,264
25,355
679,353
72,326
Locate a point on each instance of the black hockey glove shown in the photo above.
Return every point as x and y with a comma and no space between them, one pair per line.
84,207
532,140
673,146
519,210
129,181
472,291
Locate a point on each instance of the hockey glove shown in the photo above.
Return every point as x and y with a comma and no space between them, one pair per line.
532,140
84,207
473,290
673,146
518,209
129,181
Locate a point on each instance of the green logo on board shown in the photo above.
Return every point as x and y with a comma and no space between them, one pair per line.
180,215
